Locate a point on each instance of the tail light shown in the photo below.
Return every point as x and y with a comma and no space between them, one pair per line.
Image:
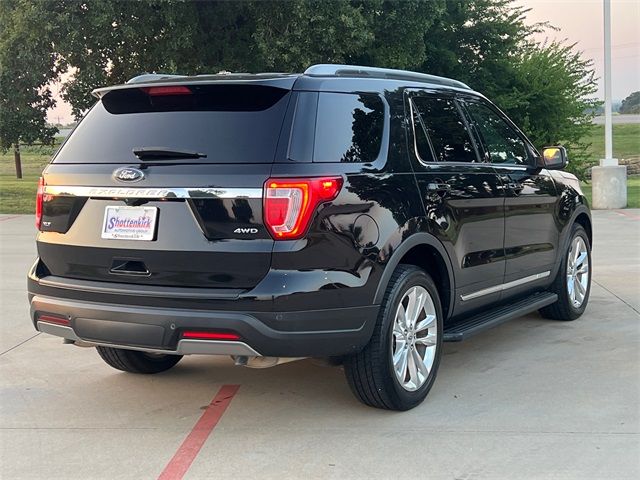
289,203
39,199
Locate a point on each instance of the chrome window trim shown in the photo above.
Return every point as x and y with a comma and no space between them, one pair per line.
504,286
413,111
412,93
511,166
152,192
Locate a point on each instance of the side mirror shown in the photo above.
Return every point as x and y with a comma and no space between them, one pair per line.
553,158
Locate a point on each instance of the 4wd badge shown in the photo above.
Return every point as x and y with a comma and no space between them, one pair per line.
252,231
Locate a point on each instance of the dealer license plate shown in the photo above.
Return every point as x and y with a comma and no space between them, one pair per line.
129,223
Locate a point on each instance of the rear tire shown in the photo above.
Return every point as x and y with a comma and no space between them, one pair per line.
387,373
573,294
133,361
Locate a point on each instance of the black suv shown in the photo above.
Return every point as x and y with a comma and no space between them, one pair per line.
357,214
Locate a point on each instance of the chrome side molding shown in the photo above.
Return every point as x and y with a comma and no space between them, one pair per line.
504,286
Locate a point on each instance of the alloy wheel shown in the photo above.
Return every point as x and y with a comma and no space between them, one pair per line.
577,272
415,338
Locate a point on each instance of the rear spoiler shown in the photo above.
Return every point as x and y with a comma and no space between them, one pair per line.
277,80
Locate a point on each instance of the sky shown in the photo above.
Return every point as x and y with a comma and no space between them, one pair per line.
578,21
581,22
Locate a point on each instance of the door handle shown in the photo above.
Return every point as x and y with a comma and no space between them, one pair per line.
515,186
438,187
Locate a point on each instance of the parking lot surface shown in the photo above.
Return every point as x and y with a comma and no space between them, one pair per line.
532,398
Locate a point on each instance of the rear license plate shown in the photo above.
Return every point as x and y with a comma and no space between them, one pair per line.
129,223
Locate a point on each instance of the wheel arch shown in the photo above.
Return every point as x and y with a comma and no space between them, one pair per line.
583,219
581,216
425,251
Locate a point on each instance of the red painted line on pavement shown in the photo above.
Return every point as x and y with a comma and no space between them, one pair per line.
2,219
626,214
186,454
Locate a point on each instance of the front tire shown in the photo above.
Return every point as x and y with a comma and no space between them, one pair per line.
573,282
133,361
398,366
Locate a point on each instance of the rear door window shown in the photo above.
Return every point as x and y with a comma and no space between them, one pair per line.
439,121
227,123
348,127
423,146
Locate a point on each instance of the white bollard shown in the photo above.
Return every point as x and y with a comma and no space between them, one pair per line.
609,187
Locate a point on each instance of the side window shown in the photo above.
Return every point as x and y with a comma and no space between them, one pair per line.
445,128
422,144
501,141
349,127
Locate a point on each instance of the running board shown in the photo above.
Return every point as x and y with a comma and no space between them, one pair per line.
468,327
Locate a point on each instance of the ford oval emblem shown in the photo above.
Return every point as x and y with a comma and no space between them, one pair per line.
128,174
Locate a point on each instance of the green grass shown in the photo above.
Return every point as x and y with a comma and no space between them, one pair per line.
626,141
633,192
626,144
19,196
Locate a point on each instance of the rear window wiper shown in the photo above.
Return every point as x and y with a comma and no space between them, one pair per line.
161,153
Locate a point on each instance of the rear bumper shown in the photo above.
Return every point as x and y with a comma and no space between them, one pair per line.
184,347
125,324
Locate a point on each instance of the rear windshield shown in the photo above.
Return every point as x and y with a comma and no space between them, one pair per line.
227,123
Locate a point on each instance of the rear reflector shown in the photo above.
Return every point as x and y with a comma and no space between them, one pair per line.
289,203
210,335
55,319
163,91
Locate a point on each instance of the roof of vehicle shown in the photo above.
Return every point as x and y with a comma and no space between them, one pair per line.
316,74
331,70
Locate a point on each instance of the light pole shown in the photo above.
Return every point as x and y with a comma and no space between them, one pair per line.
608,129
609,179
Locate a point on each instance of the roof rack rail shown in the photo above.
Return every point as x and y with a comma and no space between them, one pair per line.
331,70
150,77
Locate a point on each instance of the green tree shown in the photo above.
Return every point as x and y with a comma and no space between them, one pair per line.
545,88
631,104
551,98
290,36
399,32
28,64
485,43
109,42
478,43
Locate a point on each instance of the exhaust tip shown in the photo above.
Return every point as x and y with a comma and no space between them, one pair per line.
263,362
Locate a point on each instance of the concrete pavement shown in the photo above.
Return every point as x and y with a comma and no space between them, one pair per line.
530,399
